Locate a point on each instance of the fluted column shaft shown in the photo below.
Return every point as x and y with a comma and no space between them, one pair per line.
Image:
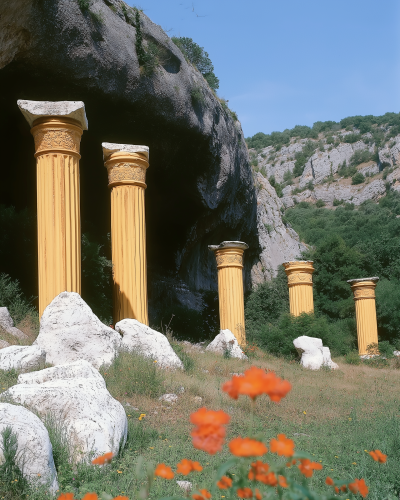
364,298
230,289
300,284
57,145
127,175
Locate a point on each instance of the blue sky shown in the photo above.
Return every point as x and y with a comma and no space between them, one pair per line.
283,63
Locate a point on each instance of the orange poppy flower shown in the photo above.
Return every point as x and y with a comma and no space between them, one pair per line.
336,489
258,494
246,447
256,382
186,466
121,498
282,481
244,493
270,479
359,486
307,467
378,456
282,446
104,459
329,481
164,471
224,483
66,496
209,434
90,496
204,495
258,471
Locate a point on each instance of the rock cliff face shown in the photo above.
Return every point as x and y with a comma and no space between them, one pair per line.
328,172
200,184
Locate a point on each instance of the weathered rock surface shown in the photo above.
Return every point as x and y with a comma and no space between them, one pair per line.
76,369
69,331
35,453
313,354
279,243
22,358
7,324
3,344
200,182
168,398
94,422
143,340
226,341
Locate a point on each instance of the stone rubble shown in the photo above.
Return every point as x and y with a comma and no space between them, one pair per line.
7,324
22,358
226,341
313,354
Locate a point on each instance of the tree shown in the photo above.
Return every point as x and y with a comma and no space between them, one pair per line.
199,58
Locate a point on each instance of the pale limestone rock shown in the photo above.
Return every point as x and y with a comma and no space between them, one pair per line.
76,369
109,148
70,331
168,398
278,242
371,169
394,179
34,453
313,354
3,344
7,323
372,191
142,339
186,486
22,358
32,110
94,422
226,341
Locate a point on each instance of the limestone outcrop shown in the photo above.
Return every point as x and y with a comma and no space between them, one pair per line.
35,453
94,422
313,354
70,331
7,324
226,342
22,358
145,341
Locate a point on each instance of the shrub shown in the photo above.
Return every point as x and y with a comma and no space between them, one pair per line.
12,482
288,177
360,156
353,358
131,374
351,138
12,297
199,58
357,178
197,96
84,5
276,186
320,203
346,171
337,202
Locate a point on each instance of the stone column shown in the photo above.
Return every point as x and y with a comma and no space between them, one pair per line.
126,166
229,255
364,298
57,129
300,284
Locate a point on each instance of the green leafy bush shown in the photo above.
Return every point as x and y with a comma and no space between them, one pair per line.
276,185
12,297
361,156
357,178
351,138
346,171
13,485
320,203
84,5
199,58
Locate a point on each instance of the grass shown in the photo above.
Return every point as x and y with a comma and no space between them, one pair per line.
333,415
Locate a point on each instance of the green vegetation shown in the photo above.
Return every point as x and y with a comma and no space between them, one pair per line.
197,96
199,58
303,156
12,297
12,483
278,187
320,203
364,124
362,156
346,171
84,5
357,178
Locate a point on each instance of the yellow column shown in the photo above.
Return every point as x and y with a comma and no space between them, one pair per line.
57,129
126,165
229,255
364,298
299,275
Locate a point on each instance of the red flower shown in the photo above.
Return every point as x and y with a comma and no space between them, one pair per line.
204,495
90,496
282,446
66,496
258,494
246,447
121,498
329,481
256,382
244,493
359,486
282,482
307,467
186,466
104,459
164,471
224,483
258,471
378,456
209,434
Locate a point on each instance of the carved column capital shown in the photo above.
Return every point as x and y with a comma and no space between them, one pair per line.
126,164
299,272
229,253
363,288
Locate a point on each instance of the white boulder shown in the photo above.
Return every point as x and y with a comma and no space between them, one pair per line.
69,331
140,338
34,453
226,341
313,354
94,422
169,398
22,358
76,369
7,323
